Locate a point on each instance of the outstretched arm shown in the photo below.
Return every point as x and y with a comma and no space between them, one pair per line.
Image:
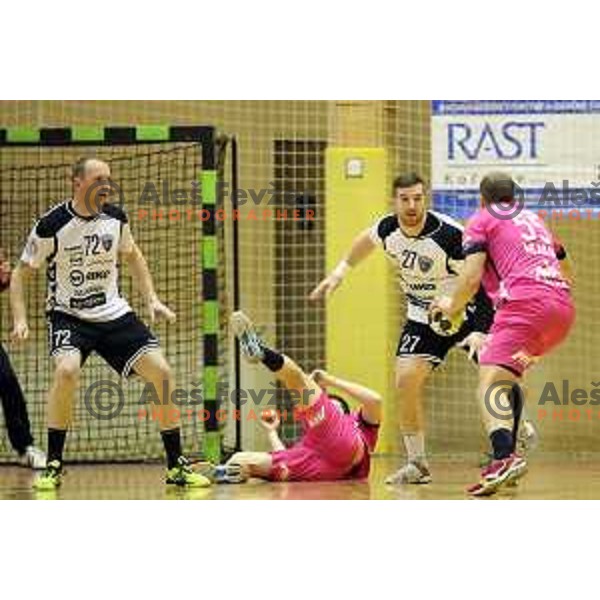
361,247
370,400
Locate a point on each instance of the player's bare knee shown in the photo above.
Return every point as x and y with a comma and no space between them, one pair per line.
236,459
410,374
253,464
408,379
160,371
401,380
67,371
164,371
243,459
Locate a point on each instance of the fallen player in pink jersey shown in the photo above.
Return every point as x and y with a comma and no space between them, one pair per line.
517,259
336,443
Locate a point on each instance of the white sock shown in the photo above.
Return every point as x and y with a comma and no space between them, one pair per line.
415,447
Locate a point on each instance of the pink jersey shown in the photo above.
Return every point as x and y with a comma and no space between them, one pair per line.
522,256
330,443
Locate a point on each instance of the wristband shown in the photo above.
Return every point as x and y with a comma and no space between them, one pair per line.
342,268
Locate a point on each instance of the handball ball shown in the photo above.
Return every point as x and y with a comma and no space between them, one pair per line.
445,326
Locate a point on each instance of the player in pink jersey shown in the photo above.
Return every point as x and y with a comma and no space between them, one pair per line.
522,268
336,443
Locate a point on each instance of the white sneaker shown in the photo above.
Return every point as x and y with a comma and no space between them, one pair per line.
528,438
413,473
251,346
34,458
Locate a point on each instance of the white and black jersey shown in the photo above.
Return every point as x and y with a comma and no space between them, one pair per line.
429,264
81,255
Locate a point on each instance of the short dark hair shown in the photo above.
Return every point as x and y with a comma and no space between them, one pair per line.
497,186
406,180
78,168
343,403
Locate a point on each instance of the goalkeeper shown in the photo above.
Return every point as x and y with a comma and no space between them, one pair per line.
81,242
426,248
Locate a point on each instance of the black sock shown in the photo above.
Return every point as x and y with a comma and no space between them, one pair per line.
172,442
518,402
502,443
56,444
273,360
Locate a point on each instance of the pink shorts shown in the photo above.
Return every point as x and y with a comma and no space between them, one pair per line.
326,451
525,330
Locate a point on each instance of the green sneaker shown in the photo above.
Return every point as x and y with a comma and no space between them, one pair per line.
183,475
51,478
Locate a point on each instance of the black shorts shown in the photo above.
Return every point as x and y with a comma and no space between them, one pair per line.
419,340
120,342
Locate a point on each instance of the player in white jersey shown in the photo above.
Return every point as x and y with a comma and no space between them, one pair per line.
426,248
80,242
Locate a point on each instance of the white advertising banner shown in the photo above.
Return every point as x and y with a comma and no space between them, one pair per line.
551,148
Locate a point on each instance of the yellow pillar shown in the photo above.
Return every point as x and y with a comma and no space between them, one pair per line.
360,340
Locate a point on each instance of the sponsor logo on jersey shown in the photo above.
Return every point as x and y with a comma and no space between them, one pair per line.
107,241
97,275
75,254
422,287
76,260
425,263
77,278
88,302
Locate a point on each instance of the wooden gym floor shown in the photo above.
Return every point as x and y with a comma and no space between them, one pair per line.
548,478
